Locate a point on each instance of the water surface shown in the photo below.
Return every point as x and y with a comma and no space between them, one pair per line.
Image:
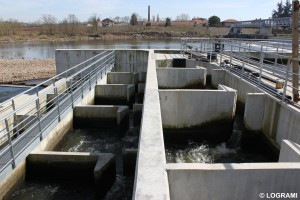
44,50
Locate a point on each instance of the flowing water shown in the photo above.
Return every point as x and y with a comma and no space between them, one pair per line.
105,140
206,152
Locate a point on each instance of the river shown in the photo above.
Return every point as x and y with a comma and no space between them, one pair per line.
45,50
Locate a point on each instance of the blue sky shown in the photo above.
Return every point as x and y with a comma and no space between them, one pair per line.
32,10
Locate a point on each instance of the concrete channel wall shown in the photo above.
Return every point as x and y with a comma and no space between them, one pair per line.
231,181
289,152
10,177
66,59
176,78
125,60
131,60
27,113
272,118
279,120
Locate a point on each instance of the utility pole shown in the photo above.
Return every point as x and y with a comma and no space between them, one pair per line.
295,50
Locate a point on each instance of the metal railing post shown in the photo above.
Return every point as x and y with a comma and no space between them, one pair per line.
243,64
72,95
16,127
37,104
221,52
230,56
10,145
82,82
286,80
261,66
57,99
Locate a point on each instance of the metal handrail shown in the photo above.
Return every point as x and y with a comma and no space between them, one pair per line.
238,51
17,125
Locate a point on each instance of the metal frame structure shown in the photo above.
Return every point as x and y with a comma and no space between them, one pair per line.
272,22
249,60
23,123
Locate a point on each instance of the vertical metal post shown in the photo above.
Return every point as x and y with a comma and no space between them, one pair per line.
231,56
10,144
72,95
286,80
295,50
243,65
276,61
81,80
221,52
16,124
37,105
261,65
57,101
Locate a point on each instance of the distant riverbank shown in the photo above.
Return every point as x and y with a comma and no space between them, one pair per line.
121,33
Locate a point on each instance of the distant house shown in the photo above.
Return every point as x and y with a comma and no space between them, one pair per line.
228,22
200,21
108,22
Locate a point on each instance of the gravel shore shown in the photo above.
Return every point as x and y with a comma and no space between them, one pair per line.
14,70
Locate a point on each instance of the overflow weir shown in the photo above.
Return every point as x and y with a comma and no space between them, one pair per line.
192,123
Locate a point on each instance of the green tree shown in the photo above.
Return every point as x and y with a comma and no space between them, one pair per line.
133,19
214,21
283,10
168,22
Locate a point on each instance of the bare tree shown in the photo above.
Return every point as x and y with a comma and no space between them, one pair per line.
49,22
126,19
183,17
117,19
94,19
73,23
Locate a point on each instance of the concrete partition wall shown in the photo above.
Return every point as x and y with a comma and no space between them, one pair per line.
150,177
83,168
101,116
177,78
209,67
209,112
114,94
122,78
232,181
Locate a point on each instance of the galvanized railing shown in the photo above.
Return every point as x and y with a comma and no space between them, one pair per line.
25,117
266,63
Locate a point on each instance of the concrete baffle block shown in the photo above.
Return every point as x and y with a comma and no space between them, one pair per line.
181,78
115,94
129,161
99,169
101,116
